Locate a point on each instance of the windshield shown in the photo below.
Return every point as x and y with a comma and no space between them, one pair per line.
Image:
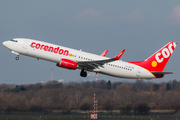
14,40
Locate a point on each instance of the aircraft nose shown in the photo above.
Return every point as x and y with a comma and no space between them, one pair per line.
5,43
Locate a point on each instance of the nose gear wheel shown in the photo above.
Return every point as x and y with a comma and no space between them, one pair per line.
17,58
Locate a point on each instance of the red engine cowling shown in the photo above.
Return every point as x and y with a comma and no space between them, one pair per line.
68,64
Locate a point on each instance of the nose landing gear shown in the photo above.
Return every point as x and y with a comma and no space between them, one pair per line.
17,58
83,73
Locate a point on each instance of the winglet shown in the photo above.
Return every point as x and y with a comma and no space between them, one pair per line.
104,53
119,55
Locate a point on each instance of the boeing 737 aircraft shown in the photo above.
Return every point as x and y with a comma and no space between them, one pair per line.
73,59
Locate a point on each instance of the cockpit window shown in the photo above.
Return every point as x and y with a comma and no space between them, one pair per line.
14,40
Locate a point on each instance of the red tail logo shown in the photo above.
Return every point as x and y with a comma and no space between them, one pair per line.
158,61
166,52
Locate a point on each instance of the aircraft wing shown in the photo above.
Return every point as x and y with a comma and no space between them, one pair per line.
99,63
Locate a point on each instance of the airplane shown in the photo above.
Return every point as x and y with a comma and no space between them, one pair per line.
73,59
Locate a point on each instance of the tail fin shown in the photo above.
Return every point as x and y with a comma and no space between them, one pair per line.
158,60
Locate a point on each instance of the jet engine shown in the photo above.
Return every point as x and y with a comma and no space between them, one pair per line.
68,64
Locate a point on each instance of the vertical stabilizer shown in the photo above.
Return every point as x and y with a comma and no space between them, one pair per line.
158,60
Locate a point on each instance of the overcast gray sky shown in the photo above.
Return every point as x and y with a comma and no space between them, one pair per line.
140,26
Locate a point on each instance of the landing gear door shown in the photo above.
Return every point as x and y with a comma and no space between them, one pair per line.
25,44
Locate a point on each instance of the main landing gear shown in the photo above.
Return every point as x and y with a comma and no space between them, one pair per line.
83,73
17,58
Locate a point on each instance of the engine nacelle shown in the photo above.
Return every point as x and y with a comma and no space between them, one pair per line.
68,64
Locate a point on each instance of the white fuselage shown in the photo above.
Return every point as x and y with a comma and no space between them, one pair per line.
116,68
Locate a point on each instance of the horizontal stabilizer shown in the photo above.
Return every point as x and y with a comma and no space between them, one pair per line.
161,73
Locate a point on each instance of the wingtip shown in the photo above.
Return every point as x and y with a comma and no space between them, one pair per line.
119,55
104,53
